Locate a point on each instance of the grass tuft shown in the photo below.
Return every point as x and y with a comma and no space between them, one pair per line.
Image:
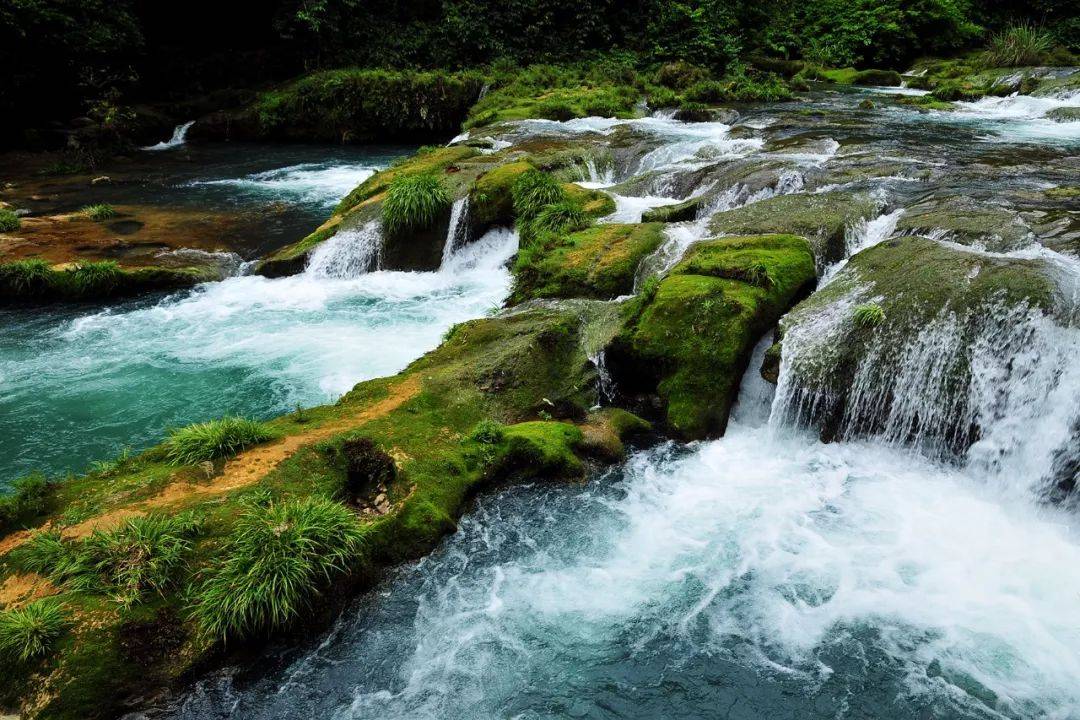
488,432
25,277
559,218
141,557
869,315
214,439
99,212
414,202
533,191
93,278
29,632
9,221
275,561
1020,44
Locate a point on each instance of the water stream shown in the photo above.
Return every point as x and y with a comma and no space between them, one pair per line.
765,574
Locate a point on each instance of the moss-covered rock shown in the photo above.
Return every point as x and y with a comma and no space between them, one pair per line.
924,298
688,339
1064,114
490,201
599,262
820,217
37,281
968,223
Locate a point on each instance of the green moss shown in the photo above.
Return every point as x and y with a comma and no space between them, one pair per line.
1066,192
597,262
437,161
820,217
967,222
491,199
690,339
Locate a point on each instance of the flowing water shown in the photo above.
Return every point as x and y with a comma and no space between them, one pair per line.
765,574
80,384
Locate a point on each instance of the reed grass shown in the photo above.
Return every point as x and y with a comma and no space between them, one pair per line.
29,632
214,439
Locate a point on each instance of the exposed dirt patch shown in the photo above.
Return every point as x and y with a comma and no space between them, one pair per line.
22,588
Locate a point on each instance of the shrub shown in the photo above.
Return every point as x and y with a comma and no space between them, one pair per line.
274,562
29,632
214,439
99,212
488,432
533,191
869,315
1020,44
662,97
9,221
25,277
680,75
414,202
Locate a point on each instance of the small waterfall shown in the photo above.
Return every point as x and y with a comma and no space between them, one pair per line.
348,254
754,401
605,384
863,234
179,137
457,234
993,387
597,178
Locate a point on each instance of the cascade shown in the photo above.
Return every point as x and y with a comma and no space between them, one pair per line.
458,231
349,253
179,137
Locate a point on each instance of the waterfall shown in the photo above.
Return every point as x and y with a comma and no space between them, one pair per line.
605,384
863,234
597,178
457,234
992,387
179,137
348,254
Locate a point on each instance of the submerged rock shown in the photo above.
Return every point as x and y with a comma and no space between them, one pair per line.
968,223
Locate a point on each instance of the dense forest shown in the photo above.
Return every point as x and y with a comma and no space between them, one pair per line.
68,57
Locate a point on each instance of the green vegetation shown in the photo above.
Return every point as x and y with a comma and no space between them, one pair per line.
599,262
144,556
29,499
413,202
9,221
1020,44
36,280
533,191
274,562
355,105
99,212
29,632
869,315
688,337
214,439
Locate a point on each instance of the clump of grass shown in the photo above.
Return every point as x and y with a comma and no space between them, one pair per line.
533,191
274,562
488,432
413,202
561,217
25,277
29,632
99,212
108,468
1020,44
93,278
9,221
143,556
214,439
869,315
30,496
758,274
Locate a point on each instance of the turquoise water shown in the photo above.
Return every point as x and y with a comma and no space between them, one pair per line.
80,384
